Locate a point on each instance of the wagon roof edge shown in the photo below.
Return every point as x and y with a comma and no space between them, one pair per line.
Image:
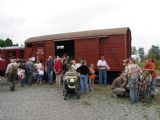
80,34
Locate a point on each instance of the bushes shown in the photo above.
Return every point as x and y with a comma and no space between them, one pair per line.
158,66
140,64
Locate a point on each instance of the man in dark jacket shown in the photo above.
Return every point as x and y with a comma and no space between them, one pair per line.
49,67
30,70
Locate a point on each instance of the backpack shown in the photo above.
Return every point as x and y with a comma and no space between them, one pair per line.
14,69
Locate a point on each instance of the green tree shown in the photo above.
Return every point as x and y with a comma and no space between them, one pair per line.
2,43
8,42
154,51
15,44
134,51
141,52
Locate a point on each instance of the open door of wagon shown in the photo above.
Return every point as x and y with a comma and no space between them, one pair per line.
64,47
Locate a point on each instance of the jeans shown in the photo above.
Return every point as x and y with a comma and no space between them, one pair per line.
102,77
40,77
50,76
22,82
133,89
84,83
153,85
26,78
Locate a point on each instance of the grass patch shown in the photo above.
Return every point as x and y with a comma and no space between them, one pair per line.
105,90
43,86
157,98
146,117
158,71
104,93
86,103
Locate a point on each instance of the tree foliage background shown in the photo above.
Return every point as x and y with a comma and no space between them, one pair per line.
141,52
6,43
154,51
134,51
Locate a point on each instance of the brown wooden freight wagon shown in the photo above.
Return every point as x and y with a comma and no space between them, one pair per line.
114,44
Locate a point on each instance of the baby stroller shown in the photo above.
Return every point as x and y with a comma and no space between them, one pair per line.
70,85
144,87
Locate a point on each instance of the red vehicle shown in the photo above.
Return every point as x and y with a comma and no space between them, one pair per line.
114,44
7,53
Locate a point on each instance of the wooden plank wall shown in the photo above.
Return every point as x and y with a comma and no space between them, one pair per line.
49,49
114,51
87,49
116,48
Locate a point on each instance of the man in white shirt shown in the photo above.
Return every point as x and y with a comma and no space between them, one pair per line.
103,67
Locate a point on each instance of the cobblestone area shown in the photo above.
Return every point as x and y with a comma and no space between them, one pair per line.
46,103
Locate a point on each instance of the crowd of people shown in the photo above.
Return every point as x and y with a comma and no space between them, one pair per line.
54,69
131,79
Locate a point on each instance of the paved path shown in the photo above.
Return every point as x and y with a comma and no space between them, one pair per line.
46,103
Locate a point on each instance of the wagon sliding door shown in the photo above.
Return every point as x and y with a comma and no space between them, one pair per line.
87,49
114,51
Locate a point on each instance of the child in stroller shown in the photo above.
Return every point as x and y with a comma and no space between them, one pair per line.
70,84
144,87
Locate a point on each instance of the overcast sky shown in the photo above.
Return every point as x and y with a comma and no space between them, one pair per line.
21,19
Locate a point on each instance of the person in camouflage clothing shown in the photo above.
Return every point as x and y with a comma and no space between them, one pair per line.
11,74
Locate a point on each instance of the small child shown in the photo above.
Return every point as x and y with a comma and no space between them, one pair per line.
91,77
21,76
40,70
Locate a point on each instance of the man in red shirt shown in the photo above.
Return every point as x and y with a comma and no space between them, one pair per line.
58,70
150,67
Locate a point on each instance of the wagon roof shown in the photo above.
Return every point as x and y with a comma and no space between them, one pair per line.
81,34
